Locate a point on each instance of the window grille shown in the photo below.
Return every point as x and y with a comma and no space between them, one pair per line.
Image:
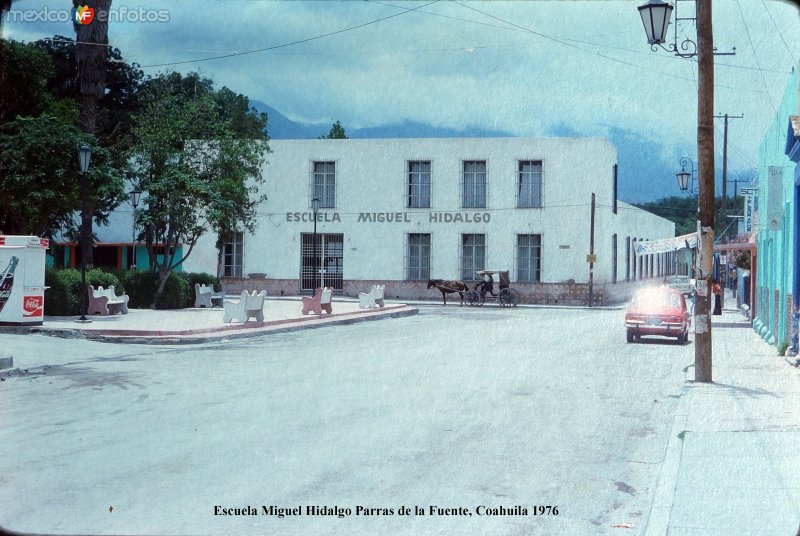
233,255
529,258
473,184
323,184
418,257
418,186
529,184
473,255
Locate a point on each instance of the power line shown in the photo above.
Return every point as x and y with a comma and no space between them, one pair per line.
299,41
780,34
755,56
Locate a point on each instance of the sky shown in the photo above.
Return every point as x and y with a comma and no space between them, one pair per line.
528,67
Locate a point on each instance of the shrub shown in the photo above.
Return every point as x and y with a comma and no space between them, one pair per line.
64,295
142,286
782,347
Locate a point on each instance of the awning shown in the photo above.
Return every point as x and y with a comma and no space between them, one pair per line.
668,244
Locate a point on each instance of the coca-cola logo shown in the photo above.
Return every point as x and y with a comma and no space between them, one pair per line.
32,305
5,294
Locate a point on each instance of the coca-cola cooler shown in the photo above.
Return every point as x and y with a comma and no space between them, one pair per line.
22,261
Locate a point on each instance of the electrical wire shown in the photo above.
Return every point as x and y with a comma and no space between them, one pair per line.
755,56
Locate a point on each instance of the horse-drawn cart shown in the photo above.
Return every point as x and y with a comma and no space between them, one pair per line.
506,297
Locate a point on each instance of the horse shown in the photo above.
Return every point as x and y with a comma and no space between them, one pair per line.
448,287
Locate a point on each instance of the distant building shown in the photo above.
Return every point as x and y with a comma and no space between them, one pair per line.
401,211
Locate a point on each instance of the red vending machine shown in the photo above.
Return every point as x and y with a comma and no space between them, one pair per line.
22,262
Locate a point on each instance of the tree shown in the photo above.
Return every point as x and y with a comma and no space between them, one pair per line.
25,89
40,178
336,133
197,172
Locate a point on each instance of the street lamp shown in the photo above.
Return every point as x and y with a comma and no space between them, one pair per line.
134,200
684,176
84,156
315,209
655,17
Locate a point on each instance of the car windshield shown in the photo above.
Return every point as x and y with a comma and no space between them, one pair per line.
656,298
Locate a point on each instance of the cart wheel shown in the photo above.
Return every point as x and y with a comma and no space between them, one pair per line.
473,298
509,297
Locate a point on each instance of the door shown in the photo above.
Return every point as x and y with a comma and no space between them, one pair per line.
321,265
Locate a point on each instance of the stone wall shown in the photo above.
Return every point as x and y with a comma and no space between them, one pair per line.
566,293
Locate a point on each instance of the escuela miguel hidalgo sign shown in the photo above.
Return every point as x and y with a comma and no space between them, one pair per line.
392,217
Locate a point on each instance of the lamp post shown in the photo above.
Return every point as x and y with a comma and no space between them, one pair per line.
315,209
684,177
655,16
84,156
134,200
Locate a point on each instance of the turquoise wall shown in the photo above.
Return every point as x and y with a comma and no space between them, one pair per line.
775,258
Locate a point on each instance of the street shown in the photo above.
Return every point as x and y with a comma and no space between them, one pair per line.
454,408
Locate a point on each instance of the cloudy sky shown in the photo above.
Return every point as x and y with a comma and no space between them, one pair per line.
531,68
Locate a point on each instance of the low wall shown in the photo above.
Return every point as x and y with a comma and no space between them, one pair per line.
533,293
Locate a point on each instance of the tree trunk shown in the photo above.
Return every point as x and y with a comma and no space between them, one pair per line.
90,59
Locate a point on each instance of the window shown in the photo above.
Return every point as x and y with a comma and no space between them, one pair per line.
529,258
473,255
233,255
473,185
418,187
529,184
614,258
324,184
418,266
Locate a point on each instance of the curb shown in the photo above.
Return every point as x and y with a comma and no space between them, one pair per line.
661,507
223,333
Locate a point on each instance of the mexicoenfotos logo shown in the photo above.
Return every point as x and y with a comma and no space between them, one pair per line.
82,15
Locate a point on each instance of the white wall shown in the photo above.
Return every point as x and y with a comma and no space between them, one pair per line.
371,177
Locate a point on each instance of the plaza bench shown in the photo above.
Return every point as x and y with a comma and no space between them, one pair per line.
248,306
106,302
321,301
373,298
204,296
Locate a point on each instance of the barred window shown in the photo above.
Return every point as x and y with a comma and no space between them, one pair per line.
529,184
473,255
233,255
324,184
529,258
473,184
418,187
419,257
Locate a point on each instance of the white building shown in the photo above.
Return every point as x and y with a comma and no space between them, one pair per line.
401,211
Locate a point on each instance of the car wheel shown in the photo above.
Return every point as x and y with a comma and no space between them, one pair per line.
629,336
681,338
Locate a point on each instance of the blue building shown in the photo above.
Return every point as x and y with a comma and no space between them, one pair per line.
777,271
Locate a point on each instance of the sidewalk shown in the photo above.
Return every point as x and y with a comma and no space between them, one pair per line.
732,465
197,325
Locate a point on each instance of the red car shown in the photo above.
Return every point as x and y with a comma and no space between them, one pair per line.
658,311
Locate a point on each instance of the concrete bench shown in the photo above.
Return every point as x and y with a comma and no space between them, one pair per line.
106,302
321,301
373,298
248,306
204,296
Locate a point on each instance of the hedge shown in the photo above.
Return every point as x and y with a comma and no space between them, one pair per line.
63,296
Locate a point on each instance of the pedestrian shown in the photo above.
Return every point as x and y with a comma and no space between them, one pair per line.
717,303
488,284
734,283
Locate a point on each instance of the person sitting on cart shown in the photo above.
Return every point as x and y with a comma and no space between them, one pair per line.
488,285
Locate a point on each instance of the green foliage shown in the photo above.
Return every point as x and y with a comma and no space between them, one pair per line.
142,287
336,133
199,173
683,212
63,296
41,180
200,279
24,91
782,347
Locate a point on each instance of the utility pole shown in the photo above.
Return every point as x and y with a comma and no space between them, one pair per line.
705,156
590,257
725,161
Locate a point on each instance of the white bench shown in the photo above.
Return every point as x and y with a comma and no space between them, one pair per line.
321,301
204,296
373,298
248,306
106,302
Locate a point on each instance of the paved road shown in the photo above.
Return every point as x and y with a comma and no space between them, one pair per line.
454,407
